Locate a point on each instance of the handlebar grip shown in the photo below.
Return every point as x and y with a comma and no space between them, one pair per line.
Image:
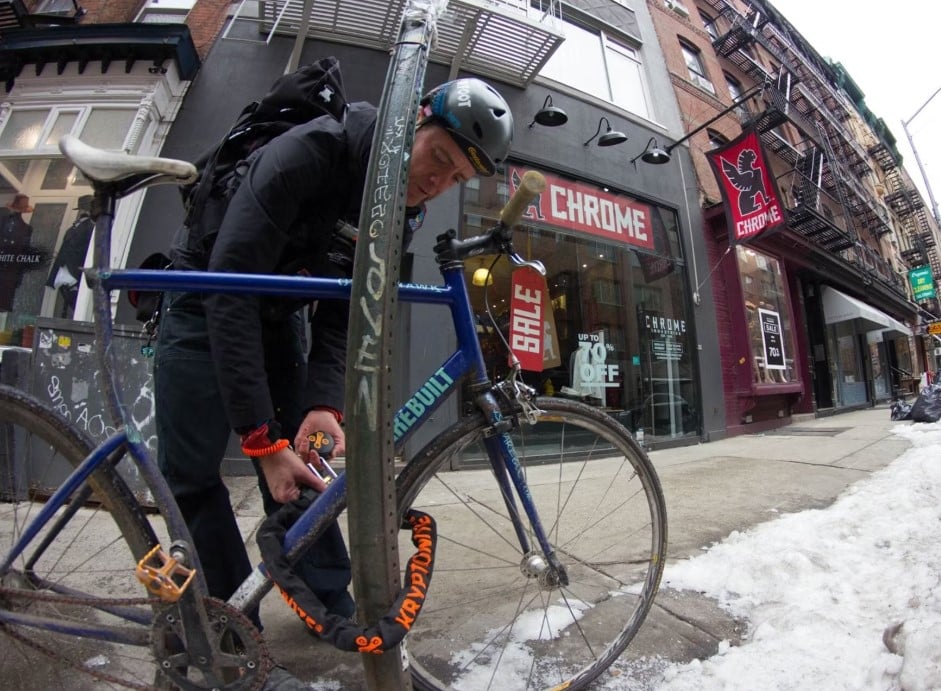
531,186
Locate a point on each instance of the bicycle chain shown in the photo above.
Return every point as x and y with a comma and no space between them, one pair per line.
258,675
37,596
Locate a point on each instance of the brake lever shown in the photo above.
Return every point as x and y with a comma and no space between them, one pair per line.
531,263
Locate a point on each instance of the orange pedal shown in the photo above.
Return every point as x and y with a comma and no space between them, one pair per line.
163,575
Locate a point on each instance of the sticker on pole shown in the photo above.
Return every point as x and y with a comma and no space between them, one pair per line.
529,305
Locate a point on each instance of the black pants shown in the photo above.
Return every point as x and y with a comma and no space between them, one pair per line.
193,433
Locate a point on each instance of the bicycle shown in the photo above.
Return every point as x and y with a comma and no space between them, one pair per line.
551,596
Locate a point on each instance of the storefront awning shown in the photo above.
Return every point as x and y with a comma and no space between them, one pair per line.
840,307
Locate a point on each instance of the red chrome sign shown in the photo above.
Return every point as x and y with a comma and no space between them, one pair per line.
528,303
588,209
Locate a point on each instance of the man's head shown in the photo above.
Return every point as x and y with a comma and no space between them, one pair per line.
465,129
20,204
84,203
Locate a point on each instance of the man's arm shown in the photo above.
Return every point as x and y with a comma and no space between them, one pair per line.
280,185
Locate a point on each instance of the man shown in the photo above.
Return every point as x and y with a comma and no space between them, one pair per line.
237,362
15,236
66,269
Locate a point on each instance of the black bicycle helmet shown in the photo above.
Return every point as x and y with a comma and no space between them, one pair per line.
476,117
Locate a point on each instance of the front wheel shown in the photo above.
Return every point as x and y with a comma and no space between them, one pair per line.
493,619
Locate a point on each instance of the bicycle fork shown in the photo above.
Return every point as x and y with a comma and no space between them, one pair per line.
508,471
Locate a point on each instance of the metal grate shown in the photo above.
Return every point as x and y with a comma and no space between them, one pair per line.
502,40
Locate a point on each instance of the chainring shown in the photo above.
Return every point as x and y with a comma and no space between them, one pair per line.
239,649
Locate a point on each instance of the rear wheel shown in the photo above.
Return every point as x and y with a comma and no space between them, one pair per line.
79,570
493,617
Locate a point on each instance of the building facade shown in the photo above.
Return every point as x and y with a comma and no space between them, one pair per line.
657,318
818,316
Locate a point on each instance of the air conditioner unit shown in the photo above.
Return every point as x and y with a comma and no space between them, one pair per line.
677,7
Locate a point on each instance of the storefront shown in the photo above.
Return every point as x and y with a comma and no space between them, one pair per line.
622,337
867,348
45,228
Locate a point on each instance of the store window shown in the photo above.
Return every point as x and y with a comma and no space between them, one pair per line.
596,63
768,316
622,338
44,226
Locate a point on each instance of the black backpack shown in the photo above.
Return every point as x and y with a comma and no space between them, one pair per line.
307,93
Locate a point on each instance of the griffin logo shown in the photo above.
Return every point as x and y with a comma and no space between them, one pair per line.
748,180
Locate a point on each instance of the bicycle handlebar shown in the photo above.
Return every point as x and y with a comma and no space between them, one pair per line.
499,239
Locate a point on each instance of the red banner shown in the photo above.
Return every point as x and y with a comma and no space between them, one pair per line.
750,195
588,209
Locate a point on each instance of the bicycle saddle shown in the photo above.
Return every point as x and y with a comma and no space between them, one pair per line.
110,166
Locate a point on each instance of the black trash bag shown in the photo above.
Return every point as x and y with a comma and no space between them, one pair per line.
901,410
927,407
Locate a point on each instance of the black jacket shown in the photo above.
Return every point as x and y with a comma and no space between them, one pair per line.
281,220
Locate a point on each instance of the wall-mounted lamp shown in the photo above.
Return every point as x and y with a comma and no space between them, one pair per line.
549,115
655,154
652,153
610,137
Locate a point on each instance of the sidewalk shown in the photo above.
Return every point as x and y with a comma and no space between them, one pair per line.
711,490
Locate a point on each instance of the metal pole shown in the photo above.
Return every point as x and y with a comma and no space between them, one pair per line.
921,168
372,347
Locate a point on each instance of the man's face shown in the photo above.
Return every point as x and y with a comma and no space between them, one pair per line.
437,164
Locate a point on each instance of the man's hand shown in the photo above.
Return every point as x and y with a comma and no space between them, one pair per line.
319,421
285,473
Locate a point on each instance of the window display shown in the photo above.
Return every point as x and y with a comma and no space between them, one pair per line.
768,317
44,205
620,338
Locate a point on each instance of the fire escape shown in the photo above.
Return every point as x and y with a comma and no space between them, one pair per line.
917,241
826,202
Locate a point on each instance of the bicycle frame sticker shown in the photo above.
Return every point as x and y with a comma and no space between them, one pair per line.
425,399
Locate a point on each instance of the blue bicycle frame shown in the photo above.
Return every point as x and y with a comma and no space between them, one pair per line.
466,361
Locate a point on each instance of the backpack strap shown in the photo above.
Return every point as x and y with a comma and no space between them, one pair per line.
204,182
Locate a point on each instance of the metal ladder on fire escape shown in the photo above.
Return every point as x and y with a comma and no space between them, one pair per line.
931,249
830,159
899,199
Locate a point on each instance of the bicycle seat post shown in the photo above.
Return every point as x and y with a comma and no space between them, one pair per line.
114,175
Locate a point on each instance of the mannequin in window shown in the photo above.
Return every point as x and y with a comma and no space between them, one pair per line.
15,235
66,269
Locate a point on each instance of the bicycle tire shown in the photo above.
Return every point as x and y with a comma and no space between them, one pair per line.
484,623
94,555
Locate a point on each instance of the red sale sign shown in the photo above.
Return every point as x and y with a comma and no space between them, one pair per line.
528,303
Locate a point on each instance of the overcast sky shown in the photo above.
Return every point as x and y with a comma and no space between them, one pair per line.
891,51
